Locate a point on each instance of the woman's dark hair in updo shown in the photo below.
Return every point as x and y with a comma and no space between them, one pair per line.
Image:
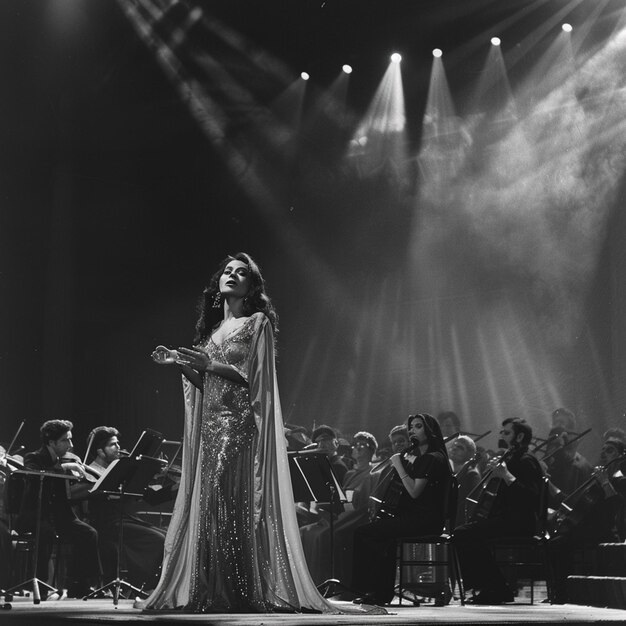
256,299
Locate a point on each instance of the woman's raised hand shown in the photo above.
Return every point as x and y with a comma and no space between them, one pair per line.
164,356
195,358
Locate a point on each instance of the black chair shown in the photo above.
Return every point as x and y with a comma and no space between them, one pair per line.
529,554
436,558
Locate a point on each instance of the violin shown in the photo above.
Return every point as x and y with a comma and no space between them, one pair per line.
388,492
576,506
88,474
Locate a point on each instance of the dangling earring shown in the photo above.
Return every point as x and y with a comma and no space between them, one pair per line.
217,300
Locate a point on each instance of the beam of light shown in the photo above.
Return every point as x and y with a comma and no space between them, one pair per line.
487,370
304,75
530,212
545,29
459,370
396,58
379,143
495,41
443,142
437,53
567,28
347,69
492,96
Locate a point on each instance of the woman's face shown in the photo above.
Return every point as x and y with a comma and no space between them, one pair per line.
417,430
235,280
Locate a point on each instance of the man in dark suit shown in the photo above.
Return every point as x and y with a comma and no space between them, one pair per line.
57,515
513,513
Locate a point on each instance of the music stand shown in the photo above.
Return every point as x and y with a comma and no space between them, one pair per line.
35,582
127,477
313,479
148,444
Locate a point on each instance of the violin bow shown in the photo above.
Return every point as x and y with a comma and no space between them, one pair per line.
89,443
19,429
565,445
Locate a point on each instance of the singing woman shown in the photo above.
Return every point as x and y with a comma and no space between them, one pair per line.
233,543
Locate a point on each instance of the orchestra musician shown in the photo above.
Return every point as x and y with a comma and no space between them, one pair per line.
420,490
462,451
567,468
513,512
316,539
592,514
142,543
57,514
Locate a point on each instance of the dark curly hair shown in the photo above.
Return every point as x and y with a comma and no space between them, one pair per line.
53,430
256,299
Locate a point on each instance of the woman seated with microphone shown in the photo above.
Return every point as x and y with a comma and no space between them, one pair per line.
413,505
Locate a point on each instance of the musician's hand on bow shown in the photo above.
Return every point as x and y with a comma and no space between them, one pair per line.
75,468
164,356
195,358
501,471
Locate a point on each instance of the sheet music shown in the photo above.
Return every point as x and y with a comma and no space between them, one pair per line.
103,476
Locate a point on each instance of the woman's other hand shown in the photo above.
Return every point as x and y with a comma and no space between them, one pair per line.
164,356
194,358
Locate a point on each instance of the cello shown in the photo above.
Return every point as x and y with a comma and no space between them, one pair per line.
577,505
480,507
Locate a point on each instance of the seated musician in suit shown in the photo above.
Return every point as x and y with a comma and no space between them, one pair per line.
327,441
421,486
567,468
142,543
324,439
593,514
513,513
462,453
57,515
357,484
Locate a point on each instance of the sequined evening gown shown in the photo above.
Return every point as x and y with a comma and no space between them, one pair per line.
233,543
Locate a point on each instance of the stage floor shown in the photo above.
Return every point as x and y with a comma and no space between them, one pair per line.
78,612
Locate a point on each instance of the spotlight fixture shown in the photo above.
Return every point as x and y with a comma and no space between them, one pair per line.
304,76
396,58
437,53
567,28
495,41
347,69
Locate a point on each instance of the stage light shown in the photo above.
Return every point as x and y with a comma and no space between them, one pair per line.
347,69
437,53
567,28
495,41
396,58
304,76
